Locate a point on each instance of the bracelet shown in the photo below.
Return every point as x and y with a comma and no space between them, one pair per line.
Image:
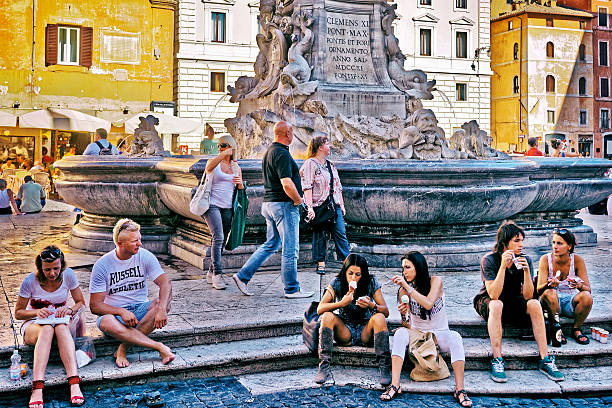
411,290
71,311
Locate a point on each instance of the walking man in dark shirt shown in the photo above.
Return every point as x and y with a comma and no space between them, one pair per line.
282,198
507,297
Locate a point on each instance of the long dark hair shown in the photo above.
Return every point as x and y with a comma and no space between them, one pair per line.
49,254
364,282
422,280
567,236
505,233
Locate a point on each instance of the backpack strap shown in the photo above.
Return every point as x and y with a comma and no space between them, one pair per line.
100,145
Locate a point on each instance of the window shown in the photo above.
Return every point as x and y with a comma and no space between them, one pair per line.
582,52
516,51
582,86
549,22
515,84
461,44
217,82
425,41
603,17
604,87
603,53
550,50
604,116
68,45
510,25
461,4
461,92
550,116
550,84
425,2
120,48
218,27
583,25
582,117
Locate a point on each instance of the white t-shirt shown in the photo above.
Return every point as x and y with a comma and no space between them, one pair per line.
40,298
124,282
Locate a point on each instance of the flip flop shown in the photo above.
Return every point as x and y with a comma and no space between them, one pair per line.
580,338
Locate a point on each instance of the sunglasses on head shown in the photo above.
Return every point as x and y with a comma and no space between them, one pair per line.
560,231
124,225
50,254
223,145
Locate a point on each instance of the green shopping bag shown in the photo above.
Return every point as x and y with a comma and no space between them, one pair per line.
240,206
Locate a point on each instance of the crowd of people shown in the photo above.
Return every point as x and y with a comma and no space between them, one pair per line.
557,149
352,310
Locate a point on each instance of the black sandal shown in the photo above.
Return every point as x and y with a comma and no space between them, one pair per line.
388,396
467,402
580,338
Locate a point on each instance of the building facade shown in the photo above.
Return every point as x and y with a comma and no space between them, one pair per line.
450,41
542,84
216,45
109,60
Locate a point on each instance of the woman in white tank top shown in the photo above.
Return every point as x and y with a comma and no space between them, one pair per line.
424,310
7,200
226,175
562,277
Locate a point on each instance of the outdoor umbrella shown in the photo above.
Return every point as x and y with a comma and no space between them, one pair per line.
63,119
6,119
167,123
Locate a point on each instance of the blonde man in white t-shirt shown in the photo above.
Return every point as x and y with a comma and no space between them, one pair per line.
118,294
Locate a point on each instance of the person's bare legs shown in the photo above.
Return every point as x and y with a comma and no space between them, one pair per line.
494,325
40,337
534,309
550,301
65,344
583,302
137,336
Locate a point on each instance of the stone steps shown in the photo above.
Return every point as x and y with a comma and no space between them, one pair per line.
178,338
288,353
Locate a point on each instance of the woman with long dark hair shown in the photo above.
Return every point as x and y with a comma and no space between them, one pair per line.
360,318
42,294
424,311
316,180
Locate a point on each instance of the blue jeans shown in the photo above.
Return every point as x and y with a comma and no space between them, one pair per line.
338,233
282,226
219,221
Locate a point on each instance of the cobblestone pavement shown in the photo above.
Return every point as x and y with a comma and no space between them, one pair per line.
228,392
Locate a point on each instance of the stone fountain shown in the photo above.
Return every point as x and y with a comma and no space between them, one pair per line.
334,67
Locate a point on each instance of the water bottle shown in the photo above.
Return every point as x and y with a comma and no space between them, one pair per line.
15,370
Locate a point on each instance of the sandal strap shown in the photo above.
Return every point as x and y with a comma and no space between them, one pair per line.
38,384
388,391
75,379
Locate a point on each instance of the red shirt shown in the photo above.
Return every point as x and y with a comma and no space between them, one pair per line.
533,151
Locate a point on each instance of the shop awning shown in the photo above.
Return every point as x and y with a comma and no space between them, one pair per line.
63,119
167,124
6,119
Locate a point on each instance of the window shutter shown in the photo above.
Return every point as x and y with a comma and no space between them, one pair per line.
86,46
51,45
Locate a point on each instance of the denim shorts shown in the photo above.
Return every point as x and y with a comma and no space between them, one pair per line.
139,310
566,304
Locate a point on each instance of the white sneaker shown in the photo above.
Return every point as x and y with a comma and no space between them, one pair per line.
209,277
218,282
241,285
298,295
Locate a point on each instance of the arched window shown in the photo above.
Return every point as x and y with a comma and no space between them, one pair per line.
582,52
550,84
515,84
550,50
582,86
516,51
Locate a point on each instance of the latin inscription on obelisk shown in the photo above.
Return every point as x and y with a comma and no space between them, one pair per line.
348,51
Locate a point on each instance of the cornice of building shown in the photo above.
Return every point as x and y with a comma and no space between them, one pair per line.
535,8
164,4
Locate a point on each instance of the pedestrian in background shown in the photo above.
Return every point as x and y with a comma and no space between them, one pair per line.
100,146
226,175
317,175
533,147
283,195
7,200
207,145
31,197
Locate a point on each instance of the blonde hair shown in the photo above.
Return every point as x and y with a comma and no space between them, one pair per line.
124,224
230,141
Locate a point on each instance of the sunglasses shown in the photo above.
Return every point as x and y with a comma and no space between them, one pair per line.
50,254
560,231
223,145
124,225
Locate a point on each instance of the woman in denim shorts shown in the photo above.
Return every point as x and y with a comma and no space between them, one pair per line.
563,279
